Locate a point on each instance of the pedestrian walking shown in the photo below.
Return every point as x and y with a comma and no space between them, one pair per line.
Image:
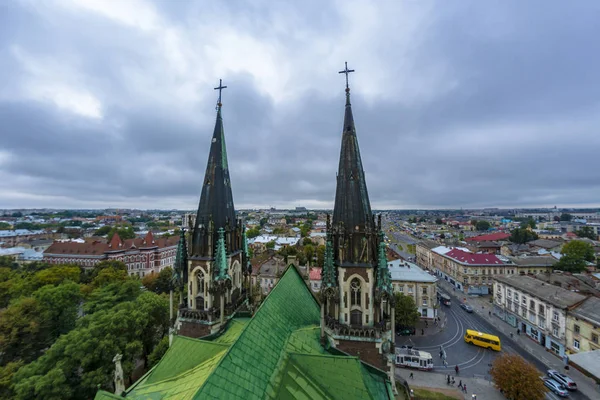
465,388
445,363
456,369
448,380
422,332
460,384
490,313
412,376
453,381
426,324
518,332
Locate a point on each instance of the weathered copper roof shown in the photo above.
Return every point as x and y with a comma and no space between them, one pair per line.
352,206
216,200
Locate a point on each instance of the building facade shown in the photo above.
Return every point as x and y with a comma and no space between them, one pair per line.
410,280
142,256
536,309
583,327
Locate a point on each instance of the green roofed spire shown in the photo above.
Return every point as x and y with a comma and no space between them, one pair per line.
328,275
384,279
246,254
216,206
220,269
180,272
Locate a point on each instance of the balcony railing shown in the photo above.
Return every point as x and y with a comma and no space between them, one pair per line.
340,329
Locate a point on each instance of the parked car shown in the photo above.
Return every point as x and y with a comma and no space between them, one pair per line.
562,379
556,387
466,307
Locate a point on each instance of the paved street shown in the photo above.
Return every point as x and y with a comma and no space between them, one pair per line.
474,361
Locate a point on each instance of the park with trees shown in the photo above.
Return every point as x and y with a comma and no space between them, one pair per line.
61,326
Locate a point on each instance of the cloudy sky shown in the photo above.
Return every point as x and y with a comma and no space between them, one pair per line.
107,103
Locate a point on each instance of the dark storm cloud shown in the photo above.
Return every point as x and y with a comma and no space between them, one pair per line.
468,105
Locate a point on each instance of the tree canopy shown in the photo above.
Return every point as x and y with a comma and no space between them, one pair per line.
482,225
586,232
253,232
566,217
517,379
575,254
406,310
522,235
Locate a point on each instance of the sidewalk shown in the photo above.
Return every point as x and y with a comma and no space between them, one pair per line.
483,307
428,327
430,380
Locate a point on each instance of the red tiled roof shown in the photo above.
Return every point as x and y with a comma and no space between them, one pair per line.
315,274
489,238
472,258
571,234
98,247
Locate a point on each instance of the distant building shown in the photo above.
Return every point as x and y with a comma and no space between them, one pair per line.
583,326
10,238
315,279
410,280
142,256
537,309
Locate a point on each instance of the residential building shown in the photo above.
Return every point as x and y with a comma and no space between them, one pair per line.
142,256
315,279
583,326
491,237
537,309
532,265
410,280
10,238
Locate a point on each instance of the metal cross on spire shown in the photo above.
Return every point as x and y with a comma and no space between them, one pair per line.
346,71
220,89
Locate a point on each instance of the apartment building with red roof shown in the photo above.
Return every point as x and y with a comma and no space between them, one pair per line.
142,256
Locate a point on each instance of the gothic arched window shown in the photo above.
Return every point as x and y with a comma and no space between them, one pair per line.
355,294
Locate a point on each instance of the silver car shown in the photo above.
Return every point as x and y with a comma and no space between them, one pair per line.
556,387
562,379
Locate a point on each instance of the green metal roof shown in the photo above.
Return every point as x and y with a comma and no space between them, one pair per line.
275,354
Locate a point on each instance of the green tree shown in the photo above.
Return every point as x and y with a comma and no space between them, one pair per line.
566,217
7,373
125,232
60,304
103,230
108,296
575,255
309,252
406,310
58,274
24,328
522,235
263,222
270,245
529,223
517,379
252,233
306,241
81,360
586,232
439,221
158,352
482,225
5,225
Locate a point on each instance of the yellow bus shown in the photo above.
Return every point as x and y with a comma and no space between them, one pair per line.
483,340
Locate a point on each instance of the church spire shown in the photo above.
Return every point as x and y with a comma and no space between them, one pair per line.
216,209
220,268
352,209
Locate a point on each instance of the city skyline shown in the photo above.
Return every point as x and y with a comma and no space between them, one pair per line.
463,106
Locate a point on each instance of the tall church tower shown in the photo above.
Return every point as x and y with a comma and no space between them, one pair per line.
357,297
217,265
